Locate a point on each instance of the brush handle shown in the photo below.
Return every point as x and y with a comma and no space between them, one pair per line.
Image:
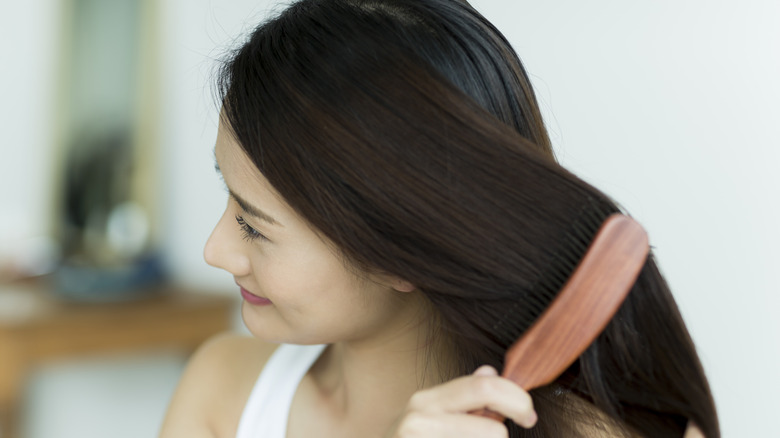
583,308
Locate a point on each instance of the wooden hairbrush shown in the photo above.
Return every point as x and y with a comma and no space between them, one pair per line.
582,309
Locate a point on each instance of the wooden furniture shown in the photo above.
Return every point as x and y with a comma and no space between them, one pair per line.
36,327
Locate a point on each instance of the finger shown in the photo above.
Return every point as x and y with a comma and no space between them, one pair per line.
485,370
478,391
434,425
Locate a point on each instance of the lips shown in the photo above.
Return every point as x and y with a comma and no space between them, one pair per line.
253,299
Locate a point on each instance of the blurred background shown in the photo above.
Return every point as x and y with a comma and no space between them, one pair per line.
108,123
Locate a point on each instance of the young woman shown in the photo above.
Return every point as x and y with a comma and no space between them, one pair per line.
393,207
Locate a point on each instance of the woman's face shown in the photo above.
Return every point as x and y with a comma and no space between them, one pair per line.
296,288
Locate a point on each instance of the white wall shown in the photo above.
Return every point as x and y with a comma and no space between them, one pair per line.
27,82
669,106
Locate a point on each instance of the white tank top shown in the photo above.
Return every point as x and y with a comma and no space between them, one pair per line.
268,408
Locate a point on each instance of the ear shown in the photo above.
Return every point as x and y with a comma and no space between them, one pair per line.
401,285
396,283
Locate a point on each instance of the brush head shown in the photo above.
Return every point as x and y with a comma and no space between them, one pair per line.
582,309
557,261
584,306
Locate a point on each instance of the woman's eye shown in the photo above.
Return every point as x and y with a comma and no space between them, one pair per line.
249,232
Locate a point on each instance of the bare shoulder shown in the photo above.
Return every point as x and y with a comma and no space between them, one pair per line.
215,387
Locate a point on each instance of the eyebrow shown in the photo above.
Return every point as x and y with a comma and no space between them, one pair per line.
246,206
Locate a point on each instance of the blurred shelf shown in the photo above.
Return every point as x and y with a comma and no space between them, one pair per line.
36,327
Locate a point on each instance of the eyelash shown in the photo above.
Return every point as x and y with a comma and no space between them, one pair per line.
250,233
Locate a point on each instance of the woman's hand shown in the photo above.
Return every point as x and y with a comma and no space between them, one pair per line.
443,411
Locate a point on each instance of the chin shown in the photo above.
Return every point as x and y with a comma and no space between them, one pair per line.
277,333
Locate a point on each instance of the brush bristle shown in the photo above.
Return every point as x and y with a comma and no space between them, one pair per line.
558,266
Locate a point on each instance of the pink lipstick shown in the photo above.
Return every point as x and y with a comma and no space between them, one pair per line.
254,299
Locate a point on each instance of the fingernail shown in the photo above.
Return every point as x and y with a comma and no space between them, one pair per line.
485,370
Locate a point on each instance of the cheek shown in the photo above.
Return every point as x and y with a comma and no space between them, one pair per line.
302,278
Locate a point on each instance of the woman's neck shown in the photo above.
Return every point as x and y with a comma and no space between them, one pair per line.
361,387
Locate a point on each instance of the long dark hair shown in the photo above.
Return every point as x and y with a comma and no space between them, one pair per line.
407,133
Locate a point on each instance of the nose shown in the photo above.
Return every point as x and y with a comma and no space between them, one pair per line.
225,248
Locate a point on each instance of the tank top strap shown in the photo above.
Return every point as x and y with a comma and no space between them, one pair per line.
268,408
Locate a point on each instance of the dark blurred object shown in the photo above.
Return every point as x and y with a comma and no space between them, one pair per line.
105,235
97,178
